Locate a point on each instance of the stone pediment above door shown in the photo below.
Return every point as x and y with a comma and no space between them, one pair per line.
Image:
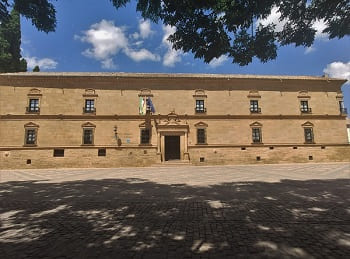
172,121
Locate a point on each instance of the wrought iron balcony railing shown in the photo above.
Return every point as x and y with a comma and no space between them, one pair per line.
89,110
305,110
200,110
255,110
32,109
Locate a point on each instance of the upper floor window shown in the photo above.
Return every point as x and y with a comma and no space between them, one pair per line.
254,106
342,108
201,136
145,136
304,107
309,135
200,106
33,105
256,135
89,106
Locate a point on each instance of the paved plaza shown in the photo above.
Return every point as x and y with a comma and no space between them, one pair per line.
253,211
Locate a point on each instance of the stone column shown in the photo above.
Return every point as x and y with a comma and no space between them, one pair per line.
186,154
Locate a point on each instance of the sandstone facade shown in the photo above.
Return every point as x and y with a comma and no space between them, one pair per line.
95,120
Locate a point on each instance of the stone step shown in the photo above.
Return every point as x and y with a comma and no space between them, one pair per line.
173,163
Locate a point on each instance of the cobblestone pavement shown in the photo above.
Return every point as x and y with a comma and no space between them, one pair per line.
266,211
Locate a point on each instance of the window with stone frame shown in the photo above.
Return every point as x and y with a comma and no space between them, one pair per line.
200,108
88,136
309,135
256,135
304,106
89,106
30,136
33,105
254,106
201,136
145,136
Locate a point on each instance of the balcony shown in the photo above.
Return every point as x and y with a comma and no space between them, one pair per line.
343,111
305,110
200,110
32,110
89,110
255,110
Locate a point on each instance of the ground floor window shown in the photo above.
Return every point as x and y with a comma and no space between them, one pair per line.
201,136
30,137
309,136
145,136
256,135
88,136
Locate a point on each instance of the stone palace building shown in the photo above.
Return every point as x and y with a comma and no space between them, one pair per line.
133,119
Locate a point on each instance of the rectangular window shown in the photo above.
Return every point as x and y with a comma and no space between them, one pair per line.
254,106
304,106
89,105
309,136
201,137
88,136
58,152
200,106
145,136
256,135
101,152
33,105
30,136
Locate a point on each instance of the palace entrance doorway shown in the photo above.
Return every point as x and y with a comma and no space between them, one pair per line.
172,147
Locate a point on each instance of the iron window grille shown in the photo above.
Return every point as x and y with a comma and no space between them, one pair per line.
256,135
304,107
200,107
309,136
30,136
88,136
145,136
201,136
89,106
33,105
254,106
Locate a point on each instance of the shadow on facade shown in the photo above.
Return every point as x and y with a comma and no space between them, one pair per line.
138,218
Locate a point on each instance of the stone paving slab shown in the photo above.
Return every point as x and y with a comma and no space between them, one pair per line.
207,212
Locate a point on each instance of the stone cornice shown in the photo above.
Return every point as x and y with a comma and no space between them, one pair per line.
157,117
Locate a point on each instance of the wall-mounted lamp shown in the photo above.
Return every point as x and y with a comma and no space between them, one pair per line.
116,132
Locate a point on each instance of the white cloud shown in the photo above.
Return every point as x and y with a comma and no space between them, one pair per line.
108,64
141,55
145,30
274,18
338,70
44,63
216,62
108,40
309,50
171,57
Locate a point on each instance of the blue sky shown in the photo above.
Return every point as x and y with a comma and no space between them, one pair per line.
97,37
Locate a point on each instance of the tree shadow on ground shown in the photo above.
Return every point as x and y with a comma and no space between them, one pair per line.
114,218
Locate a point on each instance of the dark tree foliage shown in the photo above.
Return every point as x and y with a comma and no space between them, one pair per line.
42,13
211,28
36,69
10,43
